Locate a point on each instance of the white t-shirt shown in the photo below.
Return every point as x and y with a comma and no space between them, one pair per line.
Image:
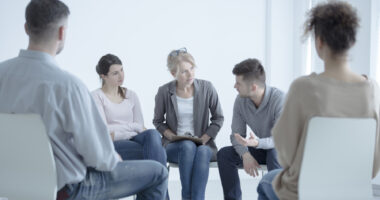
185,115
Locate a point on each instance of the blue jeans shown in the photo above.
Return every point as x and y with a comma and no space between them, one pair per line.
146,145
193,163
229,162
148,179
265,188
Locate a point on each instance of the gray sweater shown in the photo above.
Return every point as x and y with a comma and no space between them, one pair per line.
261,120
206,102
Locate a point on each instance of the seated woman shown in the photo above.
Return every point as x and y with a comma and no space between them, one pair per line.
121,110
336,92
182,108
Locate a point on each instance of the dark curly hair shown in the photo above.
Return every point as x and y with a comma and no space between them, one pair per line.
334,23
104,65
251,70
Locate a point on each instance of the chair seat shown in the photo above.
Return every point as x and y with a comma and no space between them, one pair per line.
263,168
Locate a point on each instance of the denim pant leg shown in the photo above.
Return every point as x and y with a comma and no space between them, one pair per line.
129,150
148,179
152,148
228,163
183,153
265,188
271,160
200,172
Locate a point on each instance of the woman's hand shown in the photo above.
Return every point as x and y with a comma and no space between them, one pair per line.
205,138
168,134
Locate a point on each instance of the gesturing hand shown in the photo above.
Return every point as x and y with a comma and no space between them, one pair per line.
251,141
250,165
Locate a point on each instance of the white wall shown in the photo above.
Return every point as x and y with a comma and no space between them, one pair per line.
219,34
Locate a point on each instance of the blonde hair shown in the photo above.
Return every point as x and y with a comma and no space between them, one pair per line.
176,57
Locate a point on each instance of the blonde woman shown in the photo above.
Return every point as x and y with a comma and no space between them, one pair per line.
183,106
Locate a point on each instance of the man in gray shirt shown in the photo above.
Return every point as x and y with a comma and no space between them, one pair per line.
258,106
87,165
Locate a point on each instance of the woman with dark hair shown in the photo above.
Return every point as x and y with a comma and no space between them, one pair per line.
336,92
121,111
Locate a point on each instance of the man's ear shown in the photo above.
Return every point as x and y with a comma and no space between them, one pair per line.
26,28
253,86
319,42
61,33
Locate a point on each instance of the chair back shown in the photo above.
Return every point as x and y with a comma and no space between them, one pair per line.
338,159
27,167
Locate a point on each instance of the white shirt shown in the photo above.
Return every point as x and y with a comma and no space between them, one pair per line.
33,83
185,115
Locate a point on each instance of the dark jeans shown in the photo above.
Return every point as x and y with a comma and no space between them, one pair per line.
145,145
229,162
193,163
148,179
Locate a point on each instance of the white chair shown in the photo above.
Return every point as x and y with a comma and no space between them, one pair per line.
27,167
338,159
214,164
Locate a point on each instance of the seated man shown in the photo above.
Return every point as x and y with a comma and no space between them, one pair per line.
257,106
87,165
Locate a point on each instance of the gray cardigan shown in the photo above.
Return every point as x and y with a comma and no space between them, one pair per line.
205,99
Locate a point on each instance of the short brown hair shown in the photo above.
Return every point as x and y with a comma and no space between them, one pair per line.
42,17
251,70
335,23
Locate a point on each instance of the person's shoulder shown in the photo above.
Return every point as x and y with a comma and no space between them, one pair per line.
68,82
7,64
241,100
97,93
304,83
129,93
204,83
276,93
166,87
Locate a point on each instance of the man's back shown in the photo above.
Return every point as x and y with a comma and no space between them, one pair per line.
33,83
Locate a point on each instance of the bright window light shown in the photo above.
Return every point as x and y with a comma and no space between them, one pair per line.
308,49
378,54
308,56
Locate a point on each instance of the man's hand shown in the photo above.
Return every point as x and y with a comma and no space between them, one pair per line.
121,159
112,136
205,138
251,141
250,165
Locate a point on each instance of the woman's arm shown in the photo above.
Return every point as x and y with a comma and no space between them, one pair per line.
217,117
159,120
289,127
